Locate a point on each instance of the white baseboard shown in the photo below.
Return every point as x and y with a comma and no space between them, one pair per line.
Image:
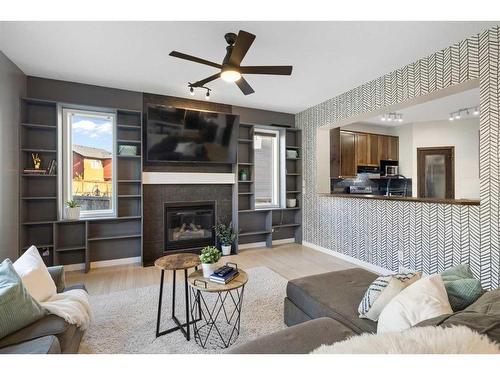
263,244
347,258
102,263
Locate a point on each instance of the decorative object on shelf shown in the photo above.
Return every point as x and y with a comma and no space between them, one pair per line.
209,257
292,154
34,171
127,150
243,175
226,237
291,203
72,210
36,161
51,169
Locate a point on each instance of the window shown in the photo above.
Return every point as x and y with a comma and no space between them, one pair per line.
89,162
266,160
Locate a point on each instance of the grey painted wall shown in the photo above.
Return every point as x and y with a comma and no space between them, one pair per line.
12,87
427,237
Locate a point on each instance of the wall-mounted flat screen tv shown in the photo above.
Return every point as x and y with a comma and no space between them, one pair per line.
184,135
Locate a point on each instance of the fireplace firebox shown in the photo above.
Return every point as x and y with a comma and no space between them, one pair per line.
189,225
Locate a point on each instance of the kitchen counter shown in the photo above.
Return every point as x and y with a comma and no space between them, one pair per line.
466,202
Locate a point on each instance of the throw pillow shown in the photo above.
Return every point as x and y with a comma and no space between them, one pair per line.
35,276
462,287
381,291
424,299
17,307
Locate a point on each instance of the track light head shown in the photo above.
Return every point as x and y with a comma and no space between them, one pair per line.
207,95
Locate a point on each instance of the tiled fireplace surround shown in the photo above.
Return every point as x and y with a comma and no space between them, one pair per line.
156,195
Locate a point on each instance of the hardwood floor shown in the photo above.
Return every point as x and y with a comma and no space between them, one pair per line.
290,261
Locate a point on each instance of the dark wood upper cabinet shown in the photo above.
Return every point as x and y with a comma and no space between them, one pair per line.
367,149
347,154
388,147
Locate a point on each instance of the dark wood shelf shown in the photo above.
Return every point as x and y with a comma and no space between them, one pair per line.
41,150
245,163
42,222
290,225
129,156
245,181
245,140
38,175
293,147
117,237
128,181
129,141
38,198
242,234
135,127
293,174
246,193
39,126
70,248
129,196
293,159
38,246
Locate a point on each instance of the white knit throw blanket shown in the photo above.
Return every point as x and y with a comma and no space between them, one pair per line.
73,306
418,340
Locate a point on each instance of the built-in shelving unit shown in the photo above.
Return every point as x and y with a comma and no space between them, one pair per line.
265,225
80,241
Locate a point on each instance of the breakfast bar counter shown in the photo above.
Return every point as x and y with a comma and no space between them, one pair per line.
466,202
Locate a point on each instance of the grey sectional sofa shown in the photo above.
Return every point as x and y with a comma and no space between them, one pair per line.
49,335
323,309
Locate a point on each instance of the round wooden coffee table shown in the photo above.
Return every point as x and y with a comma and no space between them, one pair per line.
173,263
218,307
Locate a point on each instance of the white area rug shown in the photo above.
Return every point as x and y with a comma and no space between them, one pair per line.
125,322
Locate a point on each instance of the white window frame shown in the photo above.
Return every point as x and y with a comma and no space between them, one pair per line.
66,160
276,199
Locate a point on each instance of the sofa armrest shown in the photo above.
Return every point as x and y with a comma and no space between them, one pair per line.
57,274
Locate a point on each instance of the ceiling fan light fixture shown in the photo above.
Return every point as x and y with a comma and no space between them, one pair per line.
230,75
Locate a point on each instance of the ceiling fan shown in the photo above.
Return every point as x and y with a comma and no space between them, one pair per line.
231,69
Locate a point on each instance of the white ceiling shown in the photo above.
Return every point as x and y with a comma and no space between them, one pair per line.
329,58
434,110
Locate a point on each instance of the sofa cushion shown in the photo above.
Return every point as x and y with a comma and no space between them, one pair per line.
461,286
42,345
482,316
17,307
335,295
299,339
35,275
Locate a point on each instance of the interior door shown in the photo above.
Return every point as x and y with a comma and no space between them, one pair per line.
435,172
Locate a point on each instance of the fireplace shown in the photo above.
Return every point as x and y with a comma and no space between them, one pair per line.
189,225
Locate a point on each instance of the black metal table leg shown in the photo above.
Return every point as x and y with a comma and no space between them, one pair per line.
159,304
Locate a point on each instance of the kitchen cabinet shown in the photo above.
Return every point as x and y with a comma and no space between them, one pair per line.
388,147
349,149
348,166
367,149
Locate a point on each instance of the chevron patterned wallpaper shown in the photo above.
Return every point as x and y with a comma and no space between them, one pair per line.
431,237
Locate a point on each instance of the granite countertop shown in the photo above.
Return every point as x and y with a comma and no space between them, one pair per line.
467,202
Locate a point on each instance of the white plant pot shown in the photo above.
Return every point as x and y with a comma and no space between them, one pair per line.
291,203
72,213
226,249
208,269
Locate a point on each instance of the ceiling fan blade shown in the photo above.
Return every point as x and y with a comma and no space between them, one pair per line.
283,70
241,47
204,81
244,86
181,55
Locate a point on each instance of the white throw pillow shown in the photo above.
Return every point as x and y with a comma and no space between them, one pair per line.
382,291
35,276
424,299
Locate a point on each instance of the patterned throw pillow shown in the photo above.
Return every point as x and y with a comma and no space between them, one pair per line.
17,307
462,288
382,291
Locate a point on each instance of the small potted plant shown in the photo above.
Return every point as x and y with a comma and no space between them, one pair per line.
226,236
72,210
209,257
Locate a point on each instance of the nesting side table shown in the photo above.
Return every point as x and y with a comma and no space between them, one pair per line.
174,263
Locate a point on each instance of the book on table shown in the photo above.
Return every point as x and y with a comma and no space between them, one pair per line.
224,275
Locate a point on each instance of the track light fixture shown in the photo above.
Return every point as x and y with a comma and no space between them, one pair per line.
393,116
192,87
457,115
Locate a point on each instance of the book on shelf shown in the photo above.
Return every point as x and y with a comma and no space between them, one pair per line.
51,169
34,171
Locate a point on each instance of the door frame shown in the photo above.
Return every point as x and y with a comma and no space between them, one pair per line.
450,179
